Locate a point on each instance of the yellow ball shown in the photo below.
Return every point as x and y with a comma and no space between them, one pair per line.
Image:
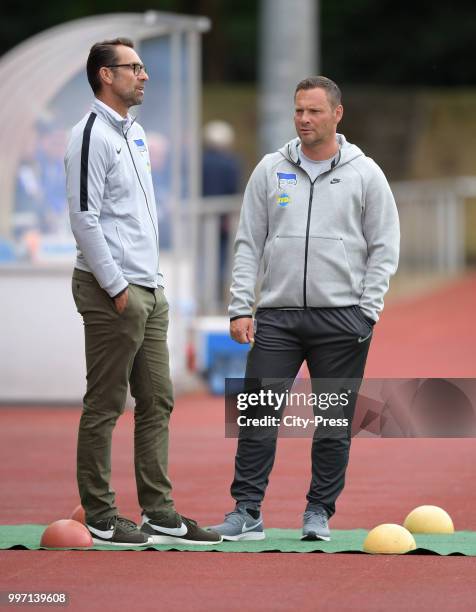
389,539
429,519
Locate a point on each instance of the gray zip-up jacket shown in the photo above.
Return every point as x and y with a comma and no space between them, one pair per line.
111,201
328,243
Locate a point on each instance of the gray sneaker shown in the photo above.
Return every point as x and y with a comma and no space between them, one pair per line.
240,525
315,525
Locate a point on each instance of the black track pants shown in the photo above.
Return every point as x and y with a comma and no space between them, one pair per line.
334,342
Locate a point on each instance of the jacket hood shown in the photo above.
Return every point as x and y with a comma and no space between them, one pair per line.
347,151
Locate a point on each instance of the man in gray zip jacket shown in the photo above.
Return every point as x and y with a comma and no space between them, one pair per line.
321,217
118,290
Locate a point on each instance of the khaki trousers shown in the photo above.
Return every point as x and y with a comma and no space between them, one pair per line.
121,349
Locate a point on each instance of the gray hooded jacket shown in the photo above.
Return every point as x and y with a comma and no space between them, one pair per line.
328,243
111,201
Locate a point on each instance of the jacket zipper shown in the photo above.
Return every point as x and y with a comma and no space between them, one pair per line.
146,200
306,249
309,209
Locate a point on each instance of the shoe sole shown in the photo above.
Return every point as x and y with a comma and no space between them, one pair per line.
109,543
163,539
312,537
257,535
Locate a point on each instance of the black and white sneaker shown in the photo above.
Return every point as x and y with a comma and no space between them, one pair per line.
117,531
177,529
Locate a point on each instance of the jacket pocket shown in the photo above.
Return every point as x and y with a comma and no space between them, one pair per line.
329,279
367,320
284,276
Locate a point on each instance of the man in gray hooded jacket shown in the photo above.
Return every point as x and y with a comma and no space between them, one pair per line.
321,218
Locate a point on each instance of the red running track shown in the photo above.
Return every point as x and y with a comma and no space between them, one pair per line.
431,336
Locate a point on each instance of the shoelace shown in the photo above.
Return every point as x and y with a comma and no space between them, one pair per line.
179,518
126,524
320,517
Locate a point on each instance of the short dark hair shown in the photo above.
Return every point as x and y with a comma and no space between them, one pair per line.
332,90
103,54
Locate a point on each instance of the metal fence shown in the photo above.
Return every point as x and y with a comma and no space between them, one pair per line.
433,234
433,223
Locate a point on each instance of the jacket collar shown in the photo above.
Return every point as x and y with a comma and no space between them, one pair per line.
112,117
347,151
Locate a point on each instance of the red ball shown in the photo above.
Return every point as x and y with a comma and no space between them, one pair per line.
79,515
66,533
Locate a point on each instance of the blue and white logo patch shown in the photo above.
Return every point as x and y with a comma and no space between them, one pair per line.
141,145
285,179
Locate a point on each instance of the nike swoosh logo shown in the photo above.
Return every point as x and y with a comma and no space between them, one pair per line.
244,529
101,534
118,151
360,340
176,531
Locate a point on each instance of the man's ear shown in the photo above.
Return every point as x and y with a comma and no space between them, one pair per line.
105,74
339,112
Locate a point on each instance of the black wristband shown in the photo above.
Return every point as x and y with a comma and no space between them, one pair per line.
241,317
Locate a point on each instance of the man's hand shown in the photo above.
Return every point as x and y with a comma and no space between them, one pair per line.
242,331
120,302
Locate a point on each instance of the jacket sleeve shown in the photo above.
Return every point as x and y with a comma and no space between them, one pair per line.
160,276
249,244
86,167
382,232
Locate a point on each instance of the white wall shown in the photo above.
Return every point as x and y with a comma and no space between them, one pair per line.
41,334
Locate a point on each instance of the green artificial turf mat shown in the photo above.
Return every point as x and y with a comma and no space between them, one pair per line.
277,540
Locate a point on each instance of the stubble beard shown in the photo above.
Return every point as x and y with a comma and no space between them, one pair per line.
311,140
132,99
317,138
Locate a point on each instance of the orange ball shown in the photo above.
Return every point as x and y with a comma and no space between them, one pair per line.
79,515
389,539
66,533
429,519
